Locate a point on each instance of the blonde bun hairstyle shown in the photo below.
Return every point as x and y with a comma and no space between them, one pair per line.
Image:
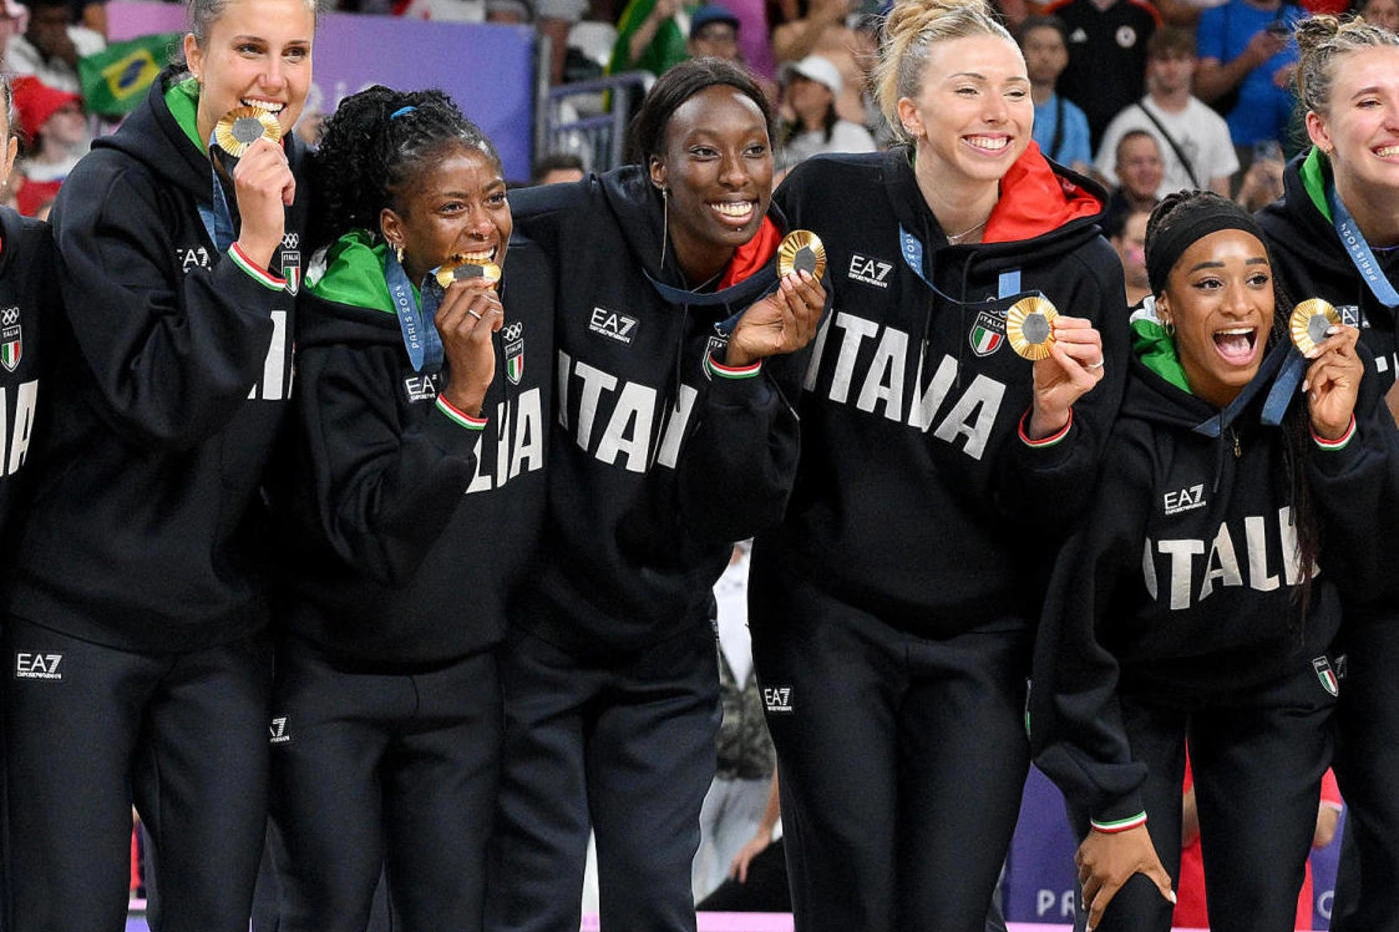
911,27
1323,40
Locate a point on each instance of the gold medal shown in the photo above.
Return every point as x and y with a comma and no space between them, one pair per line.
240,127
801,250
1029,326
1309,322
450,272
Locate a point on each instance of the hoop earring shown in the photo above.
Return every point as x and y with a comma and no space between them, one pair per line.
665,222
398,253
1170,328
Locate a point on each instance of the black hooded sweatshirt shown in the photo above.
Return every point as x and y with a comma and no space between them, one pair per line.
414,527
657,464
916,500
1183,584
30,310
1311,262
146,531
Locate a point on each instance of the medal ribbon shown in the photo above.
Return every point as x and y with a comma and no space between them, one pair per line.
1360,253
1008,285
217,217
420,336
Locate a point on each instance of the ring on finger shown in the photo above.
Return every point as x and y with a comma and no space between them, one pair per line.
1095,365
474,313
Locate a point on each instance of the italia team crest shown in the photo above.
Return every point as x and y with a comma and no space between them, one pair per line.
1329,680
513,337
11,338
987,334
291,269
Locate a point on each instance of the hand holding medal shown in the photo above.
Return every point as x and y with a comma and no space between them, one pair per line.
1068,357
785,320
1333,378
262,180
469,314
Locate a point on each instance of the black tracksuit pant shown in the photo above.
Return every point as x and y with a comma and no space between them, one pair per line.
622,740
393,772
1367,767
1258,760
90,729
902,760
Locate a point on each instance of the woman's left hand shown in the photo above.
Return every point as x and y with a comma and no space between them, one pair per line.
782,322
1074,365
1333,382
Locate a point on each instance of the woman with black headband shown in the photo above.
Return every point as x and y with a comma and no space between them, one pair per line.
1336,235
1198,602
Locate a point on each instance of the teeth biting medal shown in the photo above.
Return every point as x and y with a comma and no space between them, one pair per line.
240,127
457,270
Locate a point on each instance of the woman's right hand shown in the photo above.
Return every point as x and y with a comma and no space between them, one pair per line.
470,312
264,186
1107,860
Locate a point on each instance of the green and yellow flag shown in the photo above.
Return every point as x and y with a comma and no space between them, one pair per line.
116,79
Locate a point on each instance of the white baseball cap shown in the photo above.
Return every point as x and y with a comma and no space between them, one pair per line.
815,68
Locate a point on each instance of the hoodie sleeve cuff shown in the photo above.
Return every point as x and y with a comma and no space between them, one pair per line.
460,417
258,273
1340,442
1114,826
1052,440
721,371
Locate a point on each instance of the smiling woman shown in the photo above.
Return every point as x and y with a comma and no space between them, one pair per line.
145,563
414,516
897,600
675,437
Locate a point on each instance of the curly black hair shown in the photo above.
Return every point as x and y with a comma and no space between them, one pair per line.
376,144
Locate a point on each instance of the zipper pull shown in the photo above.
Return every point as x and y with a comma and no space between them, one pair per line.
1238,450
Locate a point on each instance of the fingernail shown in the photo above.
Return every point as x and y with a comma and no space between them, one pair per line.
1333,330
1313,352
1306,386
1173,896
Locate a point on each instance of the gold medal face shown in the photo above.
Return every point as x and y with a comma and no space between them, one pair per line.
240,127
1309,322
450,272
801,250
1028,326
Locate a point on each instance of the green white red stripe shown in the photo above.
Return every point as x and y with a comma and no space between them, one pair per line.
732,372
263,277
1118,825
1340,441
1049,441
460,416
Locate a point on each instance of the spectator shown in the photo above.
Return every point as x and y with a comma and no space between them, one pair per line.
1262,182
14,19
55,137
51,46
1193,139
1139,172
557,168
1127,233
1061,128
1247,60
811,87
651,34
1106,38
822,29
1381,13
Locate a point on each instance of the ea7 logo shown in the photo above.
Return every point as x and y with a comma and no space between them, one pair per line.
29,666
1185,500
192,257
612,325
870,271
777,698
278,730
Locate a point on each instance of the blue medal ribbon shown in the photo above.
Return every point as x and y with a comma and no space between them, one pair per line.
1007,285
1360,252
420,336
217,217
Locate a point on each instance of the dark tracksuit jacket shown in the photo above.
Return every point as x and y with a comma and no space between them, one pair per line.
1312,262
657,464
30,312
1182,586
415,528
146,531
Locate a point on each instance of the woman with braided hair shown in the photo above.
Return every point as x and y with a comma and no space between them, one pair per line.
1336,234
417,492
1202,598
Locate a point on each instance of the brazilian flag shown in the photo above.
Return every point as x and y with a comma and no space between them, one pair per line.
116,79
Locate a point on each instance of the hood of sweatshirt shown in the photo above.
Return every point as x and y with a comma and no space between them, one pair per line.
162,134
350,302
